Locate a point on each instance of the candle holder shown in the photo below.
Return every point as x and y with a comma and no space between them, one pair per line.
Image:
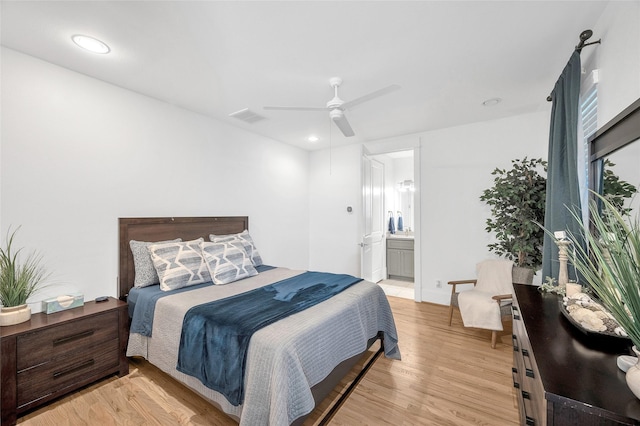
563,257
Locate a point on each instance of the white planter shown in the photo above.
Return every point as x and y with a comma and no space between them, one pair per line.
14,314
633,377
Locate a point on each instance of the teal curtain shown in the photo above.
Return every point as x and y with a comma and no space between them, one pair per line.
563,192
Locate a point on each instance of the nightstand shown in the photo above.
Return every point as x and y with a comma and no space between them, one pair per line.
52,355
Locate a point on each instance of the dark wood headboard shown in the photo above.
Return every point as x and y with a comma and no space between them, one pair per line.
167,228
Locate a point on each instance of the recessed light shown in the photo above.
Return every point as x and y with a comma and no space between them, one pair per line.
492,102
91,44
313,138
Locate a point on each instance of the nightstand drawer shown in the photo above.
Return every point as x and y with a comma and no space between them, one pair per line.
67,338
65,371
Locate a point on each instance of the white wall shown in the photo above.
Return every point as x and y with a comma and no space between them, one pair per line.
617,58
456,166
77,153
334,184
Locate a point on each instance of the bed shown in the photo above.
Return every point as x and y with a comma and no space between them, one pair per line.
291,364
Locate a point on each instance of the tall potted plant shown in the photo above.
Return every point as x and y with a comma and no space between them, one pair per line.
18,281
517,201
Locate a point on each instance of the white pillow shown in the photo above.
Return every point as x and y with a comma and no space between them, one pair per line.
227,261
179,264
247,243
145,272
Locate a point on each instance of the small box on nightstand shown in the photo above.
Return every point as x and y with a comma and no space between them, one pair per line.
61,303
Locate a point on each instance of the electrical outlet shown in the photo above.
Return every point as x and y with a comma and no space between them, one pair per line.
438,283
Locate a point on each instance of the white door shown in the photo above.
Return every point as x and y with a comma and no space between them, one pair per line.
372,242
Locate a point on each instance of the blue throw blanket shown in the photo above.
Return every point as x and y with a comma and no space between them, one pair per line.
142,303
215,336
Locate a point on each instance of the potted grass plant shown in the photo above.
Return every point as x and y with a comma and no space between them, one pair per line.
18,281
610,265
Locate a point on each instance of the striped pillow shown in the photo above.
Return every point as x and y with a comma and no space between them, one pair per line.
179,264
247,243
227,261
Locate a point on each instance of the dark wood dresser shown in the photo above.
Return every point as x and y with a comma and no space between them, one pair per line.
562,375
52,355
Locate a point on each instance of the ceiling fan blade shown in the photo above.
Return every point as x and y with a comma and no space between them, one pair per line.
370,96
292,108
343,124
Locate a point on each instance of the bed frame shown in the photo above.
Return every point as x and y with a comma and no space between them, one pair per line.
190,228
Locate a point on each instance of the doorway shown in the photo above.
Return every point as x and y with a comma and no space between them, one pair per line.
400,271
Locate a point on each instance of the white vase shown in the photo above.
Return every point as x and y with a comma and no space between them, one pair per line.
14,314
633,376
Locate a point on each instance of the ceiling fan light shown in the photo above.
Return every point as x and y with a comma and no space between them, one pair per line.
91,44
491,102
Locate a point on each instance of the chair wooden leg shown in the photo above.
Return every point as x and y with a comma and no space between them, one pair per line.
494,337
450,314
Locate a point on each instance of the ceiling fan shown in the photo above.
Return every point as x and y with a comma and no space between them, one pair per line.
337,106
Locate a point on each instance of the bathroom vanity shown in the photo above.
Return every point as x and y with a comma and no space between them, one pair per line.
400,257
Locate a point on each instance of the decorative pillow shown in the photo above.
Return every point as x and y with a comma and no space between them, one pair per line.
247,243
179,264
227,261
145,272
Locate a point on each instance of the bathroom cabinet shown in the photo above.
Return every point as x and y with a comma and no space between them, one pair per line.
400,259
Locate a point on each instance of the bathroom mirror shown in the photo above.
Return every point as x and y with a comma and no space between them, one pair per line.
404,199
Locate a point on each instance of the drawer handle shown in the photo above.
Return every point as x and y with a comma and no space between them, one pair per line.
529,421
514,339
66,339
62,373
529,369
515,312
514,372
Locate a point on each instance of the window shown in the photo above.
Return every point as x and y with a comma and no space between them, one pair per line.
589,114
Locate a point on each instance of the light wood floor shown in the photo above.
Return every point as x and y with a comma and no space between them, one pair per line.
447,376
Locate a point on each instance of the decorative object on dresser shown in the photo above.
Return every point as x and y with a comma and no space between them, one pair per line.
590,316
633,375
517,201
52,355
18,281
62,303
489,302
563,246
563,375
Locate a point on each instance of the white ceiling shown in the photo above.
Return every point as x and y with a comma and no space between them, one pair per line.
216,57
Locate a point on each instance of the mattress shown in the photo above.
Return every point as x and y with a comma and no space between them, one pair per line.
284,359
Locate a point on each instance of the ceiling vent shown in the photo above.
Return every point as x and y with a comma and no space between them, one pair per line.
247,116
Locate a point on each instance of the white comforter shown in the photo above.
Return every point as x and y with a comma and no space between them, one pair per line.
285,359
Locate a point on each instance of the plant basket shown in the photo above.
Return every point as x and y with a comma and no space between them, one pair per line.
522,275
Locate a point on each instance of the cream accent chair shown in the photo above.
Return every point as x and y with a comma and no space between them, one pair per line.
489,302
